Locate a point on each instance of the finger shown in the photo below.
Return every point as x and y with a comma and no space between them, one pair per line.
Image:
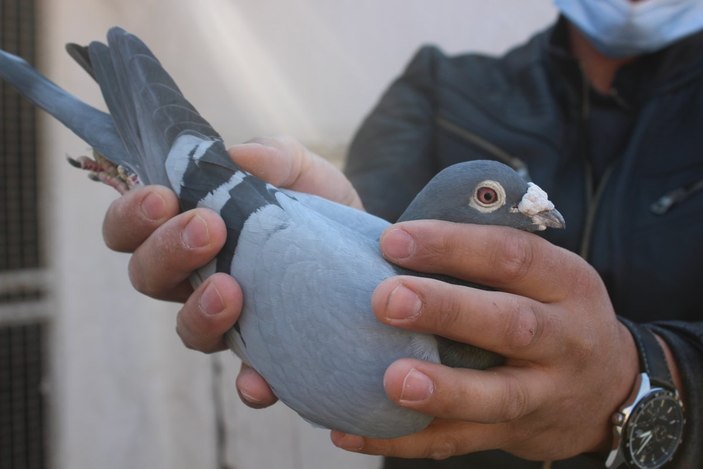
253,390
285,162
134,216
440,440
504,323
211,310
502,394
161,265
500,257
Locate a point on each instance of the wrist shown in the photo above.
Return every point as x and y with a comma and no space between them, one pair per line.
648,427
623,382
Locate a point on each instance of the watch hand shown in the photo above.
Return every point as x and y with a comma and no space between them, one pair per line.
646,436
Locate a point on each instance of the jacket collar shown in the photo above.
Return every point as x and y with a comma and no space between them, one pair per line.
636,81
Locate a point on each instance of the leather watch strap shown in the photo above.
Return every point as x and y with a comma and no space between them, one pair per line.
652,359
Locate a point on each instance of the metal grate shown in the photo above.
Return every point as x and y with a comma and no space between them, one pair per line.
19,206
22,277
22,439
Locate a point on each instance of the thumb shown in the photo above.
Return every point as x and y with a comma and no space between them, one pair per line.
285,162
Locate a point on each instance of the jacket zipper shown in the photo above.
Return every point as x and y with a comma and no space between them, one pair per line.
675,197
594,193
498,153
593,198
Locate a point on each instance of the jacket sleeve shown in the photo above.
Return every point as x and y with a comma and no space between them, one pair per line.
394,146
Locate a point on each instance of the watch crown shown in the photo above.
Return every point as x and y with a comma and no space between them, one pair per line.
618,419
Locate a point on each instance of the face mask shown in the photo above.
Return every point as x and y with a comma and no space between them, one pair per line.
621,28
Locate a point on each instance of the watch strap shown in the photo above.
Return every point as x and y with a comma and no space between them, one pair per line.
652,358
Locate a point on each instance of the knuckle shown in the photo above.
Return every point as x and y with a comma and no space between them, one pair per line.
444,246
521,437
586,279
512,257
134,270
184,336
443,448
192,331
449,314
515,401
112,225
297,160
114,244
582,348
350,197
111,242
139,278
521,324
434,243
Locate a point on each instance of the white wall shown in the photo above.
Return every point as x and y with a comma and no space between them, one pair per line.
124,392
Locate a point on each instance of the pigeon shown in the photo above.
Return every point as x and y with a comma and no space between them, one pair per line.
307,266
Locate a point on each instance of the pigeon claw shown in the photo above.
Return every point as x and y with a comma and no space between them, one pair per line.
101,169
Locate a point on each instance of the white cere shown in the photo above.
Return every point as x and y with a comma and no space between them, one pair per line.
534,201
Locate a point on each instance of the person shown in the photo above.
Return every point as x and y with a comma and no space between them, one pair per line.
604,111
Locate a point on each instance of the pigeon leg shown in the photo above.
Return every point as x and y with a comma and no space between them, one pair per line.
103,170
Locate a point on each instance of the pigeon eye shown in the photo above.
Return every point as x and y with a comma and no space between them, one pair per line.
488,196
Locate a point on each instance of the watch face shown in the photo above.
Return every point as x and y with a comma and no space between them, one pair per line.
654,430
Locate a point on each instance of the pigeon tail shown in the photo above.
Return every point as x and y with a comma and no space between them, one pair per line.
92,125
152,134
149,110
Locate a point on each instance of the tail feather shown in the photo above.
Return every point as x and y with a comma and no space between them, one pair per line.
171,114
147,106
92,125
104,72
152,129
153,89
82,57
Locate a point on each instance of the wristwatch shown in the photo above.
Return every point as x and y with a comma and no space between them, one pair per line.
648,428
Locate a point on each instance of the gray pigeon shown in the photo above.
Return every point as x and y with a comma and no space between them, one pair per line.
307,266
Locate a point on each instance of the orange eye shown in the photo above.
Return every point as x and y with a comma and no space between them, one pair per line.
486,195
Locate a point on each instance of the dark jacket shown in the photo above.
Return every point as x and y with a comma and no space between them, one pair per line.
634,208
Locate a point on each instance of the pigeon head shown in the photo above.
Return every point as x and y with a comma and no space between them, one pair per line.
487,193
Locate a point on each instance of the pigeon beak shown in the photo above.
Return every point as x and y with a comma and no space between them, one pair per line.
548,219
536,206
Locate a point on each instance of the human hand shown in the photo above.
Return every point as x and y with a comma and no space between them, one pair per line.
569,363
167,246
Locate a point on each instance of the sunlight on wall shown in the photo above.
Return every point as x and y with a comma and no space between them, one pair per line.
237,49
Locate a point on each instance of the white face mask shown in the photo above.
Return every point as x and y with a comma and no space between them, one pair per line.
622,28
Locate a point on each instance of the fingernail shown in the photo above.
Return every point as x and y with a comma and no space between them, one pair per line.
397,244
196,233
152,206
246,375
417,387
249,399
211,301
403,303
347,441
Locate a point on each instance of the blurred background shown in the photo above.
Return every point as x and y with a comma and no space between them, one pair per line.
92,374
